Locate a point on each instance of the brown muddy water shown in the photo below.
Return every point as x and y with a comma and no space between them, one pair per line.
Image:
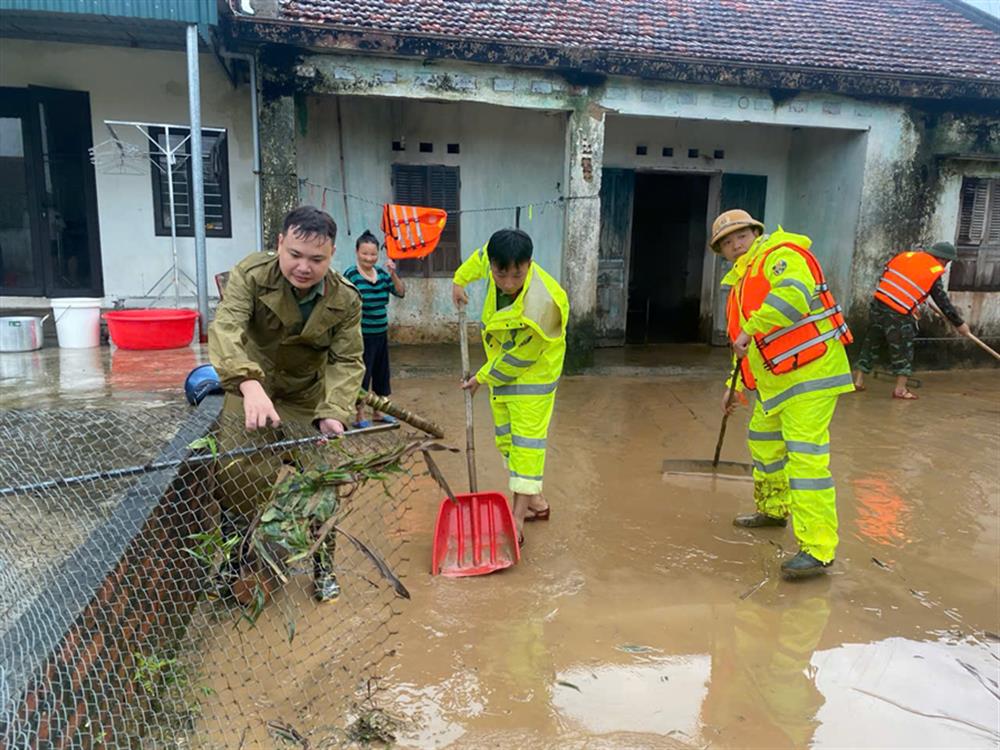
640,617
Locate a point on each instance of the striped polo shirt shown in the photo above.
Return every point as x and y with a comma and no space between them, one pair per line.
374,299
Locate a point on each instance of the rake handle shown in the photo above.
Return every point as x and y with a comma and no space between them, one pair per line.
983,345
725,416
970,335
470,437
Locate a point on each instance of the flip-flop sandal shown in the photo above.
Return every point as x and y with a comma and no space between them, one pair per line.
387,419
538,515
859,388
907,396
363,424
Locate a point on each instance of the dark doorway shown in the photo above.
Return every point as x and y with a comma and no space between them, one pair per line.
48,206
668,254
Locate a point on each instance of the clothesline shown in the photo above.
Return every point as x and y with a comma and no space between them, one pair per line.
530,206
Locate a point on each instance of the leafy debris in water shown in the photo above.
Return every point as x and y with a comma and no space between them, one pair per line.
374,725
880,564
287,734
564,683
631,648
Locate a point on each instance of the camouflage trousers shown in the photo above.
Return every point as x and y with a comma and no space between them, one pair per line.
896,331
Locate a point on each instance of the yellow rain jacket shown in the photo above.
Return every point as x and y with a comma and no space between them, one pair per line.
525,345
525,342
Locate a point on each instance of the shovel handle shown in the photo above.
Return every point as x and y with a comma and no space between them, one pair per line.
725,417
470,437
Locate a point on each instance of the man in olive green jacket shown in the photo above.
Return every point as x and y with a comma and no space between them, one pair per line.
286,343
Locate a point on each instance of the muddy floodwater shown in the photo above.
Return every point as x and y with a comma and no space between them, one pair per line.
640,617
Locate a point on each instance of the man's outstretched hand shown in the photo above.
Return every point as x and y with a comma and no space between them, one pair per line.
258,409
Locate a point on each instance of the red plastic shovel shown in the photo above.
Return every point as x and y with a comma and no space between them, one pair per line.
475,532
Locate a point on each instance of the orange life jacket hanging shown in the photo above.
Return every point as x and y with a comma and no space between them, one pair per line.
412,231
787,348
907,280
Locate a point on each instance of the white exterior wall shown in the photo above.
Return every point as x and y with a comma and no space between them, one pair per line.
749,149
149,86
508,157
823,198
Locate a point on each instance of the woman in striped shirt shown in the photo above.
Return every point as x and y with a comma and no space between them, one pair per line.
375,285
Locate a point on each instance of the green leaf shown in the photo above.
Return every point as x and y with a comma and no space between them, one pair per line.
208,441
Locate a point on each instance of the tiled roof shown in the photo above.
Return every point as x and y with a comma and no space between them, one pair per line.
900,37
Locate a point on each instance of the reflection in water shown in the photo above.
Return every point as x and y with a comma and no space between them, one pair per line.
137,370
763,691
883,514
81,370
903,693
656,695
22,366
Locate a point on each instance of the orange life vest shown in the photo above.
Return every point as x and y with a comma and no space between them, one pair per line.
412,231
787,348
907,280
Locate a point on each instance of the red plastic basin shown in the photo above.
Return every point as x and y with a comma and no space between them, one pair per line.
151,329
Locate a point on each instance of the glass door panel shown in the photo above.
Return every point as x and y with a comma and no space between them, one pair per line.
20,273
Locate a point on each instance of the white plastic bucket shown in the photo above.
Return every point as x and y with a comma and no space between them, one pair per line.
78,321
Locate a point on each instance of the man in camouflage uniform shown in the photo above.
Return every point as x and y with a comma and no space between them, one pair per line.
897,329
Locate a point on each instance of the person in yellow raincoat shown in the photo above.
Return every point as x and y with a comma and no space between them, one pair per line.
789,334
286,343
523,326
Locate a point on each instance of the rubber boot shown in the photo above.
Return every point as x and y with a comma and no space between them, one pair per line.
759,520
803,565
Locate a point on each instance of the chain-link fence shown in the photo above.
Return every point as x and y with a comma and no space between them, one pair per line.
169,580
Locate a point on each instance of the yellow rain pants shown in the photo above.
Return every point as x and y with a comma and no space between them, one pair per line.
790,449
521,427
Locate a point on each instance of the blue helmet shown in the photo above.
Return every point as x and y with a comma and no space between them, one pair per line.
200,382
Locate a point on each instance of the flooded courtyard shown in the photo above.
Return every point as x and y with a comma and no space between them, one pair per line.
640,617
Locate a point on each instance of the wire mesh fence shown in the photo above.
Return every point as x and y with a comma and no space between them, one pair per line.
170,580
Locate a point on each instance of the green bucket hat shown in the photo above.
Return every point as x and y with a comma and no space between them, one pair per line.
943,250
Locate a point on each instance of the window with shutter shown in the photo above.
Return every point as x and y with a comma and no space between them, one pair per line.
215,163
434,186
978,241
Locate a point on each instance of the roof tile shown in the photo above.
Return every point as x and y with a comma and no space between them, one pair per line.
904,37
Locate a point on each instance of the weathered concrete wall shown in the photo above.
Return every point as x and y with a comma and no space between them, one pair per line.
980,309
506,158
584,159
279,186
535,89
748,149
867,164
823,198
146,86
914,164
